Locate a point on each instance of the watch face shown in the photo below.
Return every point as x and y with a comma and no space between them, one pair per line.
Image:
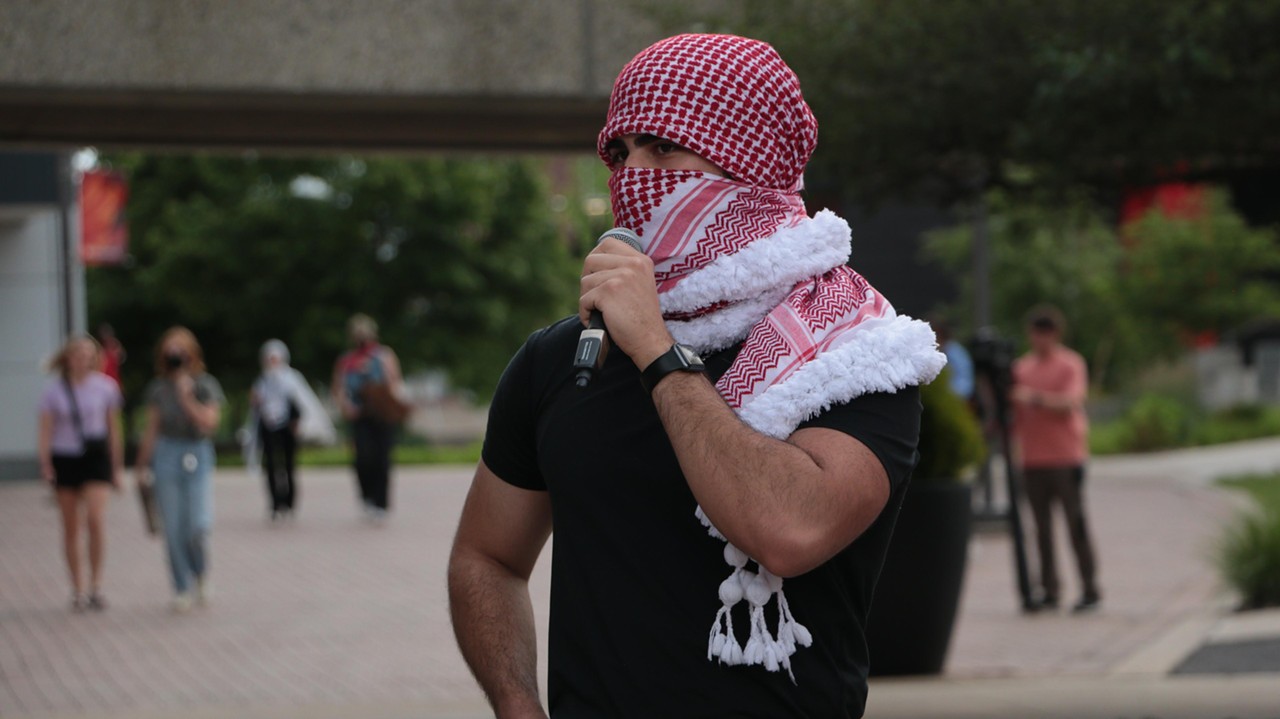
691,358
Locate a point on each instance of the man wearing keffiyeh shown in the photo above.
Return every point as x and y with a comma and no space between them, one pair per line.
756,420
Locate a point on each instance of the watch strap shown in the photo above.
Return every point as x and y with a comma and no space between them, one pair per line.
677,359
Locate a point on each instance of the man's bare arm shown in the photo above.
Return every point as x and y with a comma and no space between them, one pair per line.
791,505
502,532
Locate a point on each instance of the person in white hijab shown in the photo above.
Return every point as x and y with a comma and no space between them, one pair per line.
284,411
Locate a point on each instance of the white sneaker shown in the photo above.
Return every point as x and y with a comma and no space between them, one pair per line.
181,604
204,592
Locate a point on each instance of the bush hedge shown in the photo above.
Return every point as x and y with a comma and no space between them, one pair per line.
1157,421
951,441
1248,555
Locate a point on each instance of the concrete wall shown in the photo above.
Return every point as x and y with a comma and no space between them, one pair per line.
396,74
32,316
431,47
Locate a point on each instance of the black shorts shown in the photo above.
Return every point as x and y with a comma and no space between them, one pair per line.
74,471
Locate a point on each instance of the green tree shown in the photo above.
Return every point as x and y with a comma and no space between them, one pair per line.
1128,302
457,259
948,98
1205,274
1063,253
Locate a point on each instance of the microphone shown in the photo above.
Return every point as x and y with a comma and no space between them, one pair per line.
591,343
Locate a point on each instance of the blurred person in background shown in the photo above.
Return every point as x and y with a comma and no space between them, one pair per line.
365,379
82,453
1050,385
113,354
959,363
183,408
283,411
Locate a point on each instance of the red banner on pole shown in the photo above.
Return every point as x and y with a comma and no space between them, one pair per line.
104,238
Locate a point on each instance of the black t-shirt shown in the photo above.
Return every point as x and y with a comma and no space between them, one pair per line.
634,575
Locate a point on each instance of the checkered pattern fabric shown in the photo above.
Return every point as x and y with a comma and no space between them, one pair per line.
730,99
739,260
689,218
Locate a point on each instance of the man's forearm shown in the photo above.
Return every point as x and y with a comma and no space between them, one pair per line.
493,622
760,492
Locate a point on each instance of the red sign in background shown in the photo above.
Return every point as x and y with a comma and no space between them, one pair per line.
104,236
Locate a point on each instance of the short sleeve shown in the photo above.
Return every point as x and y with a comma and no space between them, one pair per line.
115,399
510,439
888,423
48,403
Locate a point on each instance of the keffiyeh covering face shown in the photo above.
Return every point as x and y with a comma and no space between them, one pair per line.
737,259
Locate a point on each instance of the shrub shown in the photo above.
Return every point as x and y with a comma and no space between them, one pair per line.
1248,555
1156,422
1249,558
1239,423
1159,421
951,441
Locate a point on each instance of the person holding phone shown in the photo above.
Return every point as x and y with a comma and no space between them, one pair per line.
184,406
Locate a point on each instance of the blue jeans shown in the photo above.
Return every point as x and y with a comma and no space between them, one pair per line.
183,472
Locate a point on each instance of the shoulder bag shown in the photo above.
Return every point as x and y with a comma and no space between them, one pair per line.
377,399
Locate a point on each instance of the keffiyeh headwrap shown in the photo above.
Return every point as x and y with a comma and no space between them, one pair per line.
737,259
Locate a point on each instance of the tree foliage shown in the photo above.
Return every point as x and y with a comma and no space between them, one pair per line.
457,259
1131,296
1206,274
953,97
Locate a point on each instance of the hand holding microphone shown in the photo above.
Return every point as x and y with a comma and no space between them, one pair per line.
592,343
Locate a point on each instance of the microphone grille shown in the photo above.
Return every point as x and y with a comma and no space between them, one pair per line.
625,235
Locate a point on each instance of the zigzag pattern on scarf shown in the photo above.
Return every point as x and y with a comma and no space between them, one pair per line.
805,324
750,215
768,347
785,259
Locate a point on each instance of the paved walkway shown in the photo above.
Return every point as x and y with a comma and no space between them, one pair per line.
333,617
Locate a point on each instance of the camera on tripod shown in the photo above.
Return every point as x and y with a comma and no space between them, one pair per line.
993,357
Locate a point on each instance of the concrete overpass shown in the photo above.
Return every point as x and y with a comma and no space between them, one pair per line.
280,75
308,74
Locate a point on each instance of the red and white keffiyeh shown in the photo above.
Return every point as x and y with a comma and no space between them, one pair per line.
737,259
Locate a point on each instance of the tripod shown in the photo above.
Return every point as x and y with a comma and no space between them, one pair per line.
993,361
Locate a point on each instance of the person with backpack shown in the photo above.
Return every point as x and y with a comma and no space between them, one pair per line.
367,388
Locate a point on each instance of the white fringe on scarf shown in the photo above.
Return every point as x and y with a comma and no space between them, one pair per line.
879,355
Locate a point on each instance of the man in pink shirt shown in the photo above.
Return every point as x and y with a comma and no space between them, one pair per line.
1050,383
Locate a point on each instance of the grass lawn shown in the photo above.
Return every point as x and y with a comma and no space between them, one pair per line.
1265,488
403,454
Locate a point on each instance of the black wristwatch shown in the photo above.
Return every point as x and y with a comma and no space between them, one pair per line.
677,359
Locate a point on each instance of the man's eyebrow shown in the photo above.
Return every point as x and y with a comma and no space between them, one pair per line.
615,144
647,139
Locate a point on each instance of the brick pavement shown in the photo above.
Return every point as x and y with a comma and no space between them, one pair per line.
1153,537
328,611
333,617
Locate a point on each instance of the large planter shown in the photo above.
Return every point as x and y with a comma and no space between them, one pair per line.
915,603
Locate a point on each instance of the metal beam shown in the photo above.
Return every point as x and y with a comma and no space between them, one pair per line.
297,122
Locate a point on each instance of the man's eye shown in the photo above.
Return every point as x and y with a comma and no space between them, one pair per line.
665,148
617,157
